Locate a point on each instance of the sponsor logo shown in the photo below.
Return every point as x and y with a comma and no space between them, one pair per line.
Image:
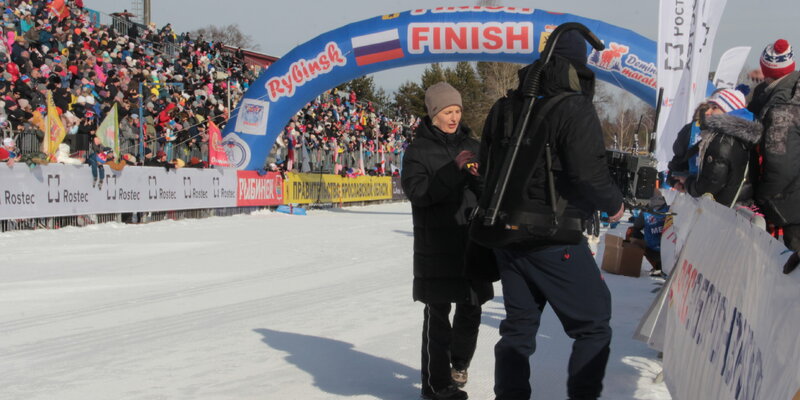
252,117
54,194
442,10
111,185
189,192
633,68
303,71
237,150
113,192
390,16
156,193
215,187
545,36
152,185
254,189
219,192
53,186
471,37
674,58
377,47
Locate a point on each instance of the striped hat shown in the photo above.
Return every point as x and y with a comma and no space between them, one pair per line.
777,59
728,100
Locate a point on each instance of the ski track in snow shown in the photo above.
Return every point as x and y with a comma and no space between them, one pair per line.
266,306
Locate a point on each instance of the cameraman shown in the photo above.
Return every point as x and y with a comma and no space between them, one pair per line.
541,262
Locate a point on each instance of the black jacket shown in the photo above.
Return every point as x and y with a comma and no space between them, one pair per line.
778,188
442,198
581,173
725,152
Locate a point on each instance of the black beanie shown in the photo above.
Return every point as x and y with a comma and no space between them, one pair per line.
572,46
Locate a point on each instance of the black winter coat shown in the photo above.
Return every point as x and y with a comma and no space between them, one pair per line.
725,152
579,163
778,188
442,198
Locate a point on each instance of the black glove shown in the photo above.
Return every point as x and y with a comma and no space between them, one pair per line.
464,158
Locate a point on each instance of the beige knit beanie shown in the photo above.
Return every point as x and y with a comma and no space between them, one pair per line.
440,96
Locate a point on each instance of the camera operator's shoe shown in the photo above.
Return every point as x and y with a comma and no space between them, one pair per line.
459,376
94,183
99,184
657,273
451,392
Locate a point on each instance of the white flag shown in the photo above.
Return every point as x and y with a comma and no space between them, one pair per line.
729,67
685,41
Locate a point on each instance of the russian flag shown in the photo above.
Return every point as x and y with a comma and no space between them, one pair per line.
377,47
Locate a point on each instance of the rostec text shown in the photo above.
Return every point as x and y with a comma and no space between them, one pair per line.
20,198
167,194
471,37
228,194
678,18
304,71
75,197
129,195
199,194
256,189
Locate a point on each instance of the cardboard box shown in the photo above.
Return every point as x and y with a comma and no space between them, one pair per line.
622,257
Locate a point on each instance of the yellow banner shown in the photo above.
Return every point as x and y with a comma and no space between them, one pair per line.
316,188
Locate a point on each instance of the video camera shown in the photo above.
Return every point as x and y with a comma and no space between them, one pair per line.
634,174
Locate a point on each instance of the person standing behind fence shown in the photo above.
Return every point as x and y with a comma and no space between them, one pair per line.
776,102
725,165
436,179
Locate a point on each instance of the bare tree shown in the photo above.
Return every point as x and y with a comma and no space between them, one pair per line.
230,35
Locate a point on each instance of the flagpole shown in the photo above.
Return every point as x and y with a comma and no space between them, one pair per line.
141,126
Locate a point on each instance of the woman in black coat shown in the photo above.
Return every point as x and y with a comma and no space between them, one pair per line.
439,177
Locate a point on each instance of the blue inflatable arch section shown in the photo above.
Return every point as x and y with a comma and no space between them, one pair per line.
423,36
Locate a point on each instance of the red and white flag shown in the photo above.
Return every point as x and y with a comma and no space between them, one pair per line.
216,152
60,9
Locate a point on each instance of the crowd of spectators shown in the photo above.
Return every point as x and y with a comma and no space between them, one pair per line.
337,134
90,68
179,81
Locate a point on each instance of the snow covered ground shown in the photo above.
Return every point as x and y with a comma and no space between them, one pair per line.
267,306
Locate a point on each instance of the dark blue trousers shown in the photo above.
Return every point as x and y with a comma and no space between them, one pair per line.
568,279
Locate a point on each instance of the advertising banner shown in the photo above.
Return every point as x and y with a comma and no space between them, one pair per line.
320,188
397,189
259,190
685,42
60,190
731,323
422,36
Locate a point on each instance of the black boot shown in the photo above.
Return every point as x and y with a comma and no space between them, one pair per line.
451,392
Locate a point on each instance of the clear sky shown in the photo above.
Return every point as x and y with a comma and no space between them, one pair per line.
279,26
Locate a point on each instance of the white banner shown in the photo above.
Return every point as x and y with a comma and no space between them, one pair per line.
731,319
730,66
59,190
685,41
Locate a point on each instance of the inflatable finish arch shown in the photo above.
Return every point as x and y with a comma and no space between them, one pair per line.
423,36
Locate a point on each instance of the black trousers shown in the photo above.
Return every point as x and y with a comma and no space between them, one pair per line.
791,237
444,345
567,277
